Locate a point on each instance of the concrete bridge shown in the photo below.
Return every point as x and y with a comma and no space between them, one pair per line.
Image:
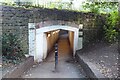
43,36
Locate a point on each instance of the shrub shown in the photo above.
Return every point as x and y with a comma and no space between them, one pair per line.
110,29
11,49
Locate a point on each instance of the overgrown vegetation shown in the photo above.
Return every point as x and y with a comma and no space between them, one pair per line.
112,18
110,28
11,50
51,5
100,7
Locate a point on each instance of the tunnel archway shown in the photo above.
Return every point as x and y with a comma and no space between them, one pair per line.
40,45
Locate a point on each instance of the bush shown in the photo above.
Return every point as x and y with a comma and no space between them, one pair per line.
111,33
11,49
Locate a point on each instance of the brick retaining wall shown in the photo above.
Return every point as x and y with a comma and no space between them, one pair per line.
16,20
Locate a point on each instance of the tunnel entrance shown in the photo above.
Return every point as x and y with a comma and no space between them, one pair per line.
69,35
43,39
65,40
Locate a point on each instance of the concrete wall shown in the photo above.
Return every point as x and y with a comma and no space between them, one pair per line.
44,43
39,48
49,41
52,37
71,39
45,38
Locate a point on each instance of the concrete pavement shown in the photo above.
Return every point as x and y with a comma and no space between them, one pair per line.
67,67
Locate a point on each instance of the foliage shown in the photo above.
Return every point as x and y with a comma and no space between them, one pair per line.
51,5
58,5
11,49
111,35
112,23
100,7
110,8
91,7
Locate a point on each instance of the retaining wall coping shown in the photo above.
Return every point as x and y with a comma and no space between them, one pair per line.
89,68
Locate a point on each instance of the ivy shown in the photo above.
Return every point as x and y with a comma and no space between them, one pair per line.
11,49
109,8
111,33
100,7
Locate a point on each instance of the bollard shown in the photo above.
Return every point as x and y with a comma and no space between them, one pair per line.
56,57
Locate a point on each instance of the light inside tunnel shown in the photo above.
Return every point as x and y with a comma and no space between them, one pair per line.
45,40
52,38
48,35
56,31
53,32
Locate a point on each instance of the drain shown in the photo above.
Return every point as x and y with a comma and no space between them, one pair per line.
70,61
55,71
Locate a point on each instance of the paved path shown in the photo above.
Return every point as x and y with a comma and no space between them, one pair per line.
67,67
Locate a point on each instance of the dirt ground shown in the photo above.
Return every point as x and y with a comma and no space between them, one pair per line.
8,67
105,57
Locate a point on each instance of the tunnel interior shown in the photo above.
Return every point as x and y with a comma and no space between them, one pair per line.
42,40
56,36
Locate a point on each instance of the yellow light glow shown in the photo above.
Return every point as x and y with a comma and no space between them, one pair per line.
56,31
53,32
48,35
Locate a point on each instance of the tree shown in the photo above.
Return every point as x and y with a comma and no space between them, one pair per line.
98,7
112,18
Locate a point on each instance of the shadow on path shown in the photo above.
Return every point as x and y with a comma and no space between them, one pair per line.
67,67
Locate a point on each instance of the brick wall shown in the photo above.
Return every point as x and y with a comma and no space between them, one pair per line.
16,20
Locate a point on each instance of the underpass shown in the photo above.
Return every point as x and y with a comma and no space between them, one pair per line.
42,40
67,66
